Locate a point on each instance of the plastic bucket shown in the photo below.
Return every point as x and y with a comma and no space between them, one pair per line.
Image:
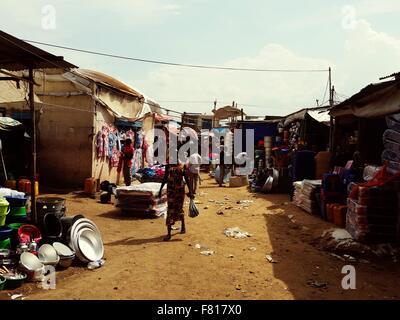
49,205
18,211
5,244
16,202
21,184
28,189
4,210
52,226
5,233
90,186
17,219
67,223
11,184
14,235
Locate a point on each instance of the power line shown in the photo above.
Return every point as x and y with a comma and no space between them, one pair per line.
326,90
211,102
67,70
173,63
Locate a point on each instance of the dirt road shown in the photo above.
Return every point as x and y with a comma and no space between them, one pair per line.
139,265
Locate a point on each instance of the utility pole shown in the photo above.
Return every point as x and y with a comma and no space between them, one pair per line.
330,107
33,145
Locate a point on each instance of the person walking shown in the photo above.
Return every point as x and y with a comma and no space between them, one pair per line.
221,165
126,161
175,177
194,171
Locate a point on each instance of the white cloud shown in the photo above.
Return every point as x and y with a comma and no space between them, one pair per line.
278,92
372,7
172,8
368,55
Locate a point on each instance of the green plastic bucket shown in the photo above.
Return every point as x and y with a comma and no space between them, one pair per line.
5,244
17,211
4,210
15,227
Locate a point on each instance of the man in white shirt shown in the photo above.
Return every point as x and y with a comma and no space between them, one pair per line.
194,170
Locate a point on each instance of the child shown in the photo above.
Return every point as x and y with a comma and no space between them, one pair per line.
127,156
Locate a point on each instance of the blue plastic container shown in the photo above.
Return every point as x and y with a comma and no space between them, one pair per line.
5,233
16,202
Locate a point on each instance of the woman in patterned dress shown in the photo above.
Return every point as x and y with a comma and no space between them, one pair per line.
175,178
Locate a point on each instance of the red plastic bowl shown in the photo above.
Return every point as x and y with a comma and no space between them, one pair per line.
27,231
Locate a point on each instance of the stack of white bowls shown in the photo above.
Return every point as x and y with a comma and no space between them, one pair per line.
31,265
65,253
85,239
48,255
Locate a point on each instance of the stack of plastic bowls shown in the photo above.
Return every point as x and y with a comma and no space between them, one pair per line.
18,212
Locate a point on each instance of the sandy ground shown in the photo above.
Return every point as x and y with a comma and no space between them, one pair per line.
139,265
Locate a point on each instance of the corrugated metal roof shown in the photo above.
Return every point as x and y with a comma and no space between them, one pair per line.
16,55
299,115
108,81
373,100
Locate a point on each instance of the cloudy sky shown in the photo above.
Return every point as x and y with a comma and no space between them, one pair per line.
359,39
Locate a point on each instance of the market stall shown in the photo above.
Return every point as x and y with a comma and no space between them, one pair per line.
31,250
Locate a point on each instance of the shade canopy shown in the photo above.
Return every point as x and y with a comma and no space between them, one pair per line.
227,112
17,55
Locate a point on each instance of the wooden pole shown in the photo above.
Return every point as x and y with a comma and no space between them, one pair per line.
33,145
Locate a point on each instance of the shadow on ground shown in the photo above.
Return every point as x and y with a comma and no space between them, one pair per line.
308,271
117,214
136,242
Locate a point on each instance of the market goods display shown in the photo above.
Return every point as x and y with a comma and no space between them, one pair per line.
142,199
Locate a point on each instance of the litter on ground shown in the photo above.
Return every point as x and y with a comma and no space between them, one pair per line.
236,233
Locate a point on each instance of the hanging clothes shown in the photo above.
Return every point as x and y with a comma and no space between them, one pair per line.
118,135
104,135
137,161
114,160
99,144
139,139
112,144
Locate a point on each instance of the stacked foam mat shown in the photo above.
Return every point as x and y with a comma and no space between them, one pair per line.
373,215
142,199
306,194
391,142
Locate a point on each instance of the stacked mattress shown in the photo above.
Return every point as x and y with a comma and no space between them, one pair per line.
373,216
306,194
142,199
391,142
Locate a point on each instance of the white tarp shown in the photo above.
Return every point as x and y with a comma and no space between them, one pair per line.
320,116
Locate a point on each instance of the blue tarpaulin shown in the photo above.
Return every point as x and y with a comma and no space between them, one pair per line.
261,129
